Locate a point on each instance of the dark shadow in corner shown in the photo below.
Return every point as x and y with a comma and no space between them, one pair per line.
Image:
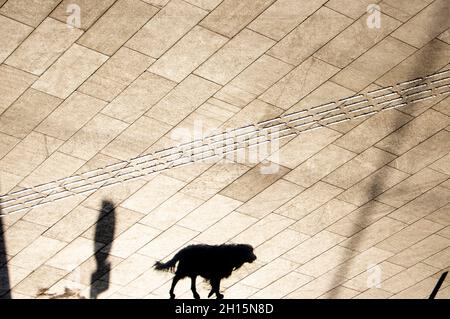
104,234
4,275
210,262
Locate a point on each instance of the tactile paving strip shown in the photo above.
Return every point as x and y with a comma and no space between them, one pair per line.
219,145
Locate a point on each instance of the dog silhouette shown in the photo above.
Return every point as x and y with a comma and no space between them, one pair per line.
212,262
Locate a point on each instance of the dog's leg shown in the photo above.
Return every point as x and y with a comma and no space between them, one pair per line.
215,285
218,294
174,283
193,288
212,282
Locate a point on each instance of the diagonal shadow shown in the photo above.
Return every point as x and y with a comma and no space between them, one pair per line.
4,275
438,285
378,183
104,234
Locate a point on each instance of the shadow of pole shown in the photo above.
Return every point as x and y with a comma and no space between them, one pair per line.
377,186
104,234
4,275
438,285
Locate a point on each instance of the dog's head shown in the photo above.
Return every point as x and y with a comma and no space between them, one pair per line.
246,253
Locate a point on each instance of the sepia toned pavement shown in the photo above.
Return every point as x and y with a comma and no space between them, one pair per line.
359,209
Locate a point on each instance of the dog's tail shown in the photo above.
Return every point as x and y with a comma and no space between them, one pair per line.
168,266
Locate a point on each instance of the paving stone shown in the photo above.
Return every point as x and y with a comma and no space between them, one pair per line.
328,160
14,83
270,199
73,254
313,247
70,116
29,154
130,241
130,269
261,74
116,74
37,253
58,82
226,228
420,251
234,95
309,200
303,147
373,234
165,28
255,112
359,167
360,218
353,9
279,244
312,73
183,99
31,13
424,154
135,139
426,61
73,224
367,189
283,286
43,278
412,187
44,45
422,205
178,62
92,137
90,11
441,216
365,280
231,16
426,25
226,63
209,213
214,179
355,40
21,117
409,236
137,98
373,129
305,39
414,132
407,278
269,273
55,167
264,229
171,211
251,183
323,217
12,34
20,235
326,261
373,63
158,190
167,242
117,25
